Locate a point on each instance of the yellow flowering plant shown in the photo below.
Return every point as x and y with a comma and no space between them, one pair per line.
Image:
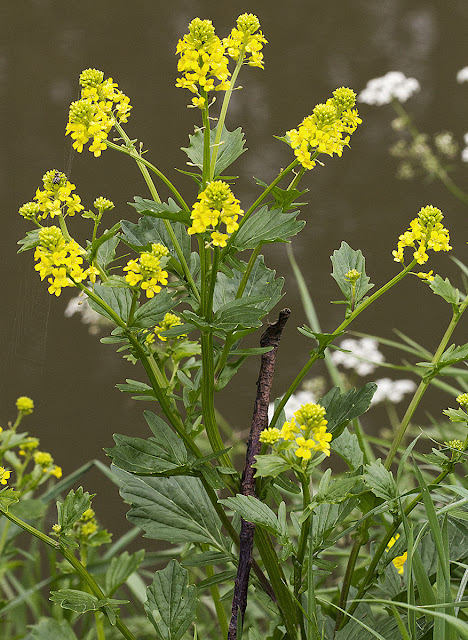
182,303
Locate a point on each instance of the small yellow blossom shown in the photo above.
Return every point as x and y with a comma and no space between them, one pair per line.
43,459
217,205
170,320
458,445
304,447
270,435
399,561
56,528
290,430
246,41
103,204
88,528
426,276
55,199
25,405
462,399
88,514
146,271
4,475
425,232
55,471
28,446
353,276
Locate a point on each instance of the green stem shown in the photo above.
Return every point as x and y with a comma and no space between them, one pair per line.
99,622
312,631
206,171
302,538
248,271
316,355
85,576
220,612
360,540
425,382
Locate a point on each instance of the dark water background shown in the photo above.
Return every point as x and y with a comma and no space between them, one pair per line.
313,48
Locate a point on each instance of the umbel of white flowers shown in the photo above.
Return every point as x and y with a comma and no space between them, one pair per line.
393,84
462,75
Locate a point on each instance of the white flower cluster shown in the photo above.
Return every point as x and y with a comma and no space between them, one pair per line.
362,351
94,320
464,153
294,403
392,390
394,84
462,75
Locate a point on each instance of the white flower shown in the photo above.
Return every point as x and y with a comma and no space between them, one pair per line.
392,390
462,75
464,153
80,305
294,403
394,84
362,350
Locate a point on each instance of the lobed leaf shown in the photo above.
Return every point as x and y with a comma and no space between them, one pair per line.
267,226
343,260
231,146
72,508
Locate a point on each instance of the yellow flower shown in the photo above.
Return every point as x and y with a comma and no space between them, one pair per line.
56,471
327,130
322,440
88,528
170,320
43,459
56,198
399,561
426,276
217,205
4,475
304,447
88,514
425,232
245,41
289,430
146,272
462,399
311,417
219,239
25,405
270,435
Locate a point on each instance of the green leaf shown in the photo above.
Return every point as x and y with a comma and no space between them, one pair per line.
244,313
169,211
118,299
270,465
343,407
230,148
261,283
8,496
29,509
253,510
227,576
347,447
30,241
284,198
49,629
152,230
172,603
344,259
454,354
380,481
266,226
206,558
337,490
444,289
143,457
121,568
81,601
175,509
166,438
456,415
106,251
72,508
153,311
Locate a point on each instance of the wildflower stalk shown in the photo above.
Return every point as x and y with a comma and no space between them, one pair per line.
317,354
299,559
82,572
425,382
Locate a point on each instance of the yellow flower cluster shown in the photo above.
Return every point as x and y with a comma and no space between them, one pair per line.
28,446
327,130
146,271
25,405
202,61
170,320
93,116
217,204
54,199
310,420
399,561
4,475
462,399
60,259
425,232
87,524
45,460
244,40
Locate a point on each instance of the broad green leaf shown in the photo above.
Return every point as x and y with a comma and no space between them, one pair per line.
30,241
253,510
169,211
82,601
29,509
345,259
152,230
143,457
337,490
174,509
106,251
343,407
118,299
444,289
347,447
380,481
153,311
8,497
386,628
325,520
456,415
284,198
261,283
165,437
205,558
270,465
244,313
49,629
267,226
120,568
230,148
172,602
72,508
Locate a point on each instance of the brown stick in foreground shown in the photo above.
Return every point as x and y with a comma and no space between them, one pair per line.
270,338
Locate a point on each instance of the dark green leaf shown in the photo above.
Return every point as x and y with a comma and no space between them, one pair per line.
444,289
72,508
229,370
253,510
49,629
8,497
172,602
152,230
153,311
121,568
345,259
169,211
244,313
106,251
284,198
81,601
30,241
267,226
143,457
270,465
343,407
174,509
380,481
166,438
347,447
118,299
206,558
230,148
454,354
227,576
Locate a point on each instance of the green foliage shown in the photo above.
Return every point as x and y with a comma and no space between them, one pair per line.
444,289
121,568
72,508
152,312
380,481
81,601
266,226
169,211
149,230
231,146
253,510
118,299
50,629
344,407
172,602
344,260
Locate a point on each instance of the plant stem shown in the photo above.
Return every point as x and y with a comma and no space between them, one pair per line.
85,576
